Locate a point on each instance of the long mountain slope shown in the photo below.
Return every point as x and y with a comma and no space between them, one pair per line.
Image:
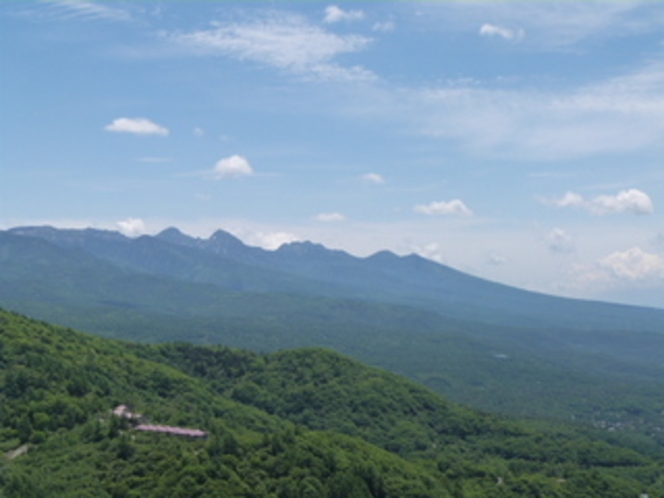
478,342
311,269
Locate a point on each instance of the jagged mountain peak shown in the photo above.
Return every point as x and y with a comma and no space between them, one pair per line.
171,232
299,245
174,235
224,237
306,247
383,256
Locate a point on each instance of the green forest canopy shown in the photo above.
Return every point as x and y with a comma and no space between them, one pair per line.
290,424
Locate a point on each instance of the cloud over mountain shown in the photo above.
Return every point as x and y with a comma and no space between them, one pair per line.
131,227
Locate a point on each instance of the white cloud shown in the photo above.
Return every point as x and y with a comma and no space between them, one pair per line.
627,201
632,200
453,207
505,33
637,276
335,14
331,217
374,178
232,167
634,264
137,126
285,41
199,132
131,227
559,241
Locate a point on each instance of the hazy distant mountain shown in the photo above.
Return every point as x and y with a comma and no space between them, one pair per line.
311,269
476,341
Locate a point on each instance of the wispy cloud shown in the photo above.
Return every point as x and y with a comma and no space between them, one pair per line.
570,199
551,26
502,32
136,126
384,26
286,41
84,11
441,208
627,201
335,14
620,115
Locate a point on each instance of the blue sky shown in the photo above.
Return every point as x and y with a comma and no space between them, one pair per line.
519,141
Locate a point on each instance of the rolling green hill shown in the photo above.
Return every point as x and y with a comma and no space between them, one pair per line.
289,424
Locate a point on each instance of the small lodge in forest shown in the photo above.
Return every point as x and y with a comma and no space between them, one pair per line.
125,411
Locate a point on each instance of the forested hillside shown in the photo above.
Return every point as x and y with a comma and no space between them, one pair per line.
289,424
473,341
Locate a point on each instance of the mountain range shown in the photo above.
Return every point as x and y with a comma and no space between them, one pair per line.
479,342
311,269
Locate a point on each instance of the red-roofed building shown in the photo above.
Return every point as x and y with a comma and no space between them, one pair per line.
166,429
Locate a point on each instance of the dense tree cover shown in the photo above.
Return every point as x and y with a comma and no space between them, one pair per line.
290,424
500,372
